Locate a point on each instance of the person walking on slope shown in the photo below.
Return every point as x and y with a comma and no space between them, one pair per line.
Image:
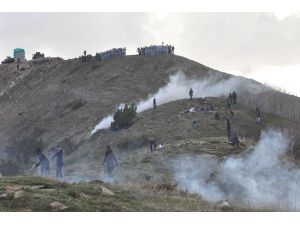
191,92
43,162
110,160
154,104
59,161
231,116
234,140
234,97
258,119
228,103
257,109
228,127
230,99
152,142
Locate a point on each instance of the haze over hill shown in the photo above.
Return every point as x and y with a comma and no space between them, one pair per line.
62,101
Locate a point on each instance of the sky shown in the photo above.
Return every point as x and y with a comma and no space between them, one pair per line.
262,46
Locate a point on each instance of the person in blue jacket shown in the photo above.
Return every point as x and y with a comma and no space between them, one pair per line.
43,162
110,160
59,161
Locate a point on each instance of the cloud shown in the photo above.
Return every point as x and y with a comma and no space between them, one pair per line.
242,41
68,34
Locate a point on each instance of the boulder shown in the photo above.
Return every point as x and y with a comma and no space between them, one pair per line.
18,194
11,188
225,206
105,190
3,196
57,206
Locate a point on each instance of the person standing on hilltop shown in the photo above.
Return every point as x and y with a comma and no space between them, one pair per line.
154,104
59,161
110,160
152,141
191,92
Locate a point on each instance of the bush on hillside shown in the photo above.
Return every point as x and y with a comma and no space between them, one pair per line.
19,154
123,118
10,167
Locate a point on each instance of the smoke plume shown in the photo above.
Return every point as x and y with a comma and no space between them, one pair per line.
258,178
178,88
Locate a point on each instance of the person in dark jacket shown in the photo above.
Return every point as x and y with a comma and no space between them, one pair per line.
152,141
191,92
257,109
154,104
228,103
217,115
234,140
234,97
110,160
231,115
59,161
230,99
43,162
228,127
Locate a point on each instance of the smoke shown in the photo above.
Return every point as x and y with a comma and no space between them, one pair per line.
258,178
105,123
178,88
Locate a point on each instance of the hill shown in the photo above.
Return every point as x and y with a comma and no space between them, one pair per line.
61,101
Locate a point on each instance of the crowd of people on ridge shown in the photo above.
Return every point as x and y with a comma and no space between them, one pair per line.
155,50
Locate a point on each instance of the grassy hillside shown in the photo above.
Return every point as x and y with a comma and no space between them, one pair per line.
173,128
60,101
37,194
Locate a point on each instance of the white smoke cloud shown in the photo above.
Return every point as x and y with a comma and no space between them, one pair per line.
179,86
105,123
258,178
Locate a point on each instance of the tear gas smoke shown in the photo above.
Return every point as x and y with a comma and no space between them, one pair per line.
258,178
105,122
179,86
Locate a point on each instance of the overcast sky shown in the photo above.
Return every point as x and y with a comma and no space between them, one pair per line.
263,46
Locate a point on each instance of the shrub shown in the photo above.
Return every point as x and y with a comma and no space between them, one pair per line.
123,118
19,153
10,167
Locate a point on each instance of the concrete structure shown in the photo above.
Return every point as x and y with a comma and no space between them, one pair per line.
19,55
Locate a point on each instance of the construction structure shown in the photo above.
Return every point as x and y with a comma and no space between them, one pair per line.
19,55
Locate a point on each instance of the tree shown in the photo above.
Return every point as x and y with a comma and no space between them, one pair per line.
124,117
